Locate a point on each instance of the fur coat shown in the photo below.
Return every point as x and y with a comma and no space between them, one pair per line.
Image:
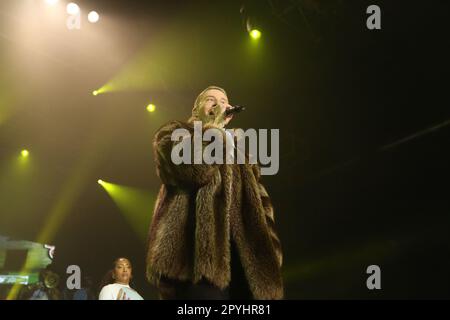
199,209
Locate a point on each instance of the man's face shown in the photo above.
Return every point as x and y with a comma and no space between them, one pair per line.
122,271
212,98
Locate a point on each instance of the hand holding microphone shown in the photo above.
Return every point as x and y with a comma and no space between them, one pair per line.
233,110
219,118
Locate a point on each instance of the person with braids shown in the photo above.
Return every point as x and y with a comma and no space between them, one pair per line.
116,283
212,234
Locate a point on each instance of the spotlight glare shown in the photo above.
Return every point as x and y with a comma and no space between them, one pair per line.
72,8
151,107
93,17
24,153
95,92
100,181
255,34
51,2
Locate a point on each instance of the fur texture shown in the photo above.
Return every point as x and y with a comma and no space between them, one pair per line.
198,209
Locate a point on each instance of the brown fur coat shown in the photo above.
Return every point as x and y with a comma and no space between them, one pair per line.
198,209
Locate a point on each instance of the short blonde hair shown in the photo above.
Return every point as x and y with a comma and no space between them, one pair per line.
196,108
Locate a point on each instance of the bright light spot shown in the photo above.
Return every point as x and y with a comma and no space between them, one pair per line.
24,153
72,8
151,107
93,17
51,2
95,92
100,181
255,34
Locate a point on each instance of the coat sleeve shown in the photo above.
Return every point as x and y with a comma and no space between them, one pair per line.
270,216
181,175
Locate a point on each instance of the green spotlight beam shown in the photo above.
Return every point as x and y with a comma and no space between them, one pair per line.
136,205
338,261
8,99
70,191
165,60
16,182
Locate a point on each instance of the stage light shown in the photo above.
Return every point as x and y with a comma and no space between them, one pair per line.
151,107
255,34
72,8
51,2
95,92
24,153
135,205
93,17
100,181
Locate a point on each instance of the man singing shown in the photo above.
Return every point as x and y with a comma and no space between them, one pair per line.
212,234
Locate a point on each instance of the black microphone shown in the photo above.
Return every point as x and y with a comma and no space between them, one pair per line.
234,109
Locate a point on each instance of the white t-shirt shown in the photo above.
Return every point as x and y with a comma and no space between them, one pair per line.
112,292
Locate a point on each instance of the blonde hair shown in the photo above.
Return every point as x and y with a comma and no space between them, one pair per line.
196,108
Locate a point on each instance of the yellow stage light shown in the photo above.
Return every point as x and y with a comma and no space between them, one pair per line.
255,34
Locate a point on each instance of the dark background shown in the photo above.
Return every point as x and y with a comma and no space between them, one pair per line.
337,91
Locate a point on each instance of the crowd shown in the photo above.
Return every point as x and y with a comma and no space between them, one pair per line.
115,285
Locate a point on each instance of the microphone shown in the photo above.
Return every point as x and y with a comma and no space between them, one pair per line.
233,110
